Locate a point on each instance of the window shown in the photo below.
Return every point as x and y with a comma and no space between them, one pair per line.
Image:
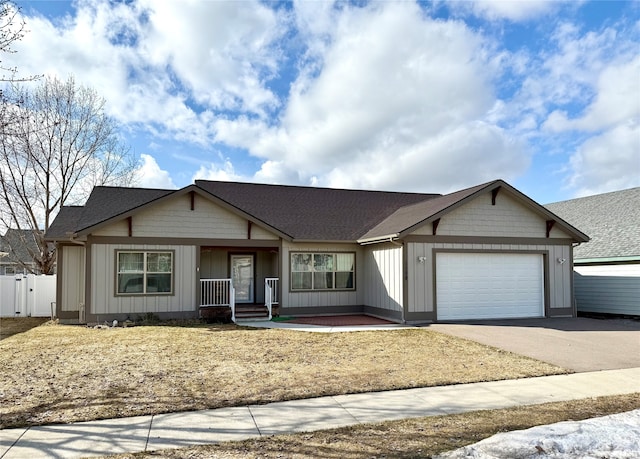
149,273
322,271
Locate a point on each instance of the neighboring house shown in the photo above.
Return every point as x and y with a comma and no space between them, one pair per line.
607,269
484,252
17,251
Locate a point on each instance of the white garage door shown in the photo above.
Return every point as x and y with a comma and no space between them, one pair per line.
489,285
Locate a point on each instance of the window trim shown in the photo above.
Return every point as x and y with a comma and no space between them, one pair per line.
145,252
323,290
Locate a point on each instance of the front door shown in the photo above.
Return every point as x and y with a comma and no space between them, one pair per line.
242,276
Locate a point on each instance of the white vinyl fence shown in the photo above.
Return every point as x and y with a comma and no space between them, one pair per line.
27,296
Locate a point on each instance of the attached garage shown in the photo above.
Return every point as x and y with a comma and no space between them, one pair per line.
489,285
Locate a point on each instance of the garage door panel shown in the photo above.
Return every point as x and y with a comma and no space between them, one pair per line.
489,285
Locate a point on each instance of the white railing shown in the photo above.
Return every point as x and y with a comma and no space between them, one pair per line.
218,292
270,293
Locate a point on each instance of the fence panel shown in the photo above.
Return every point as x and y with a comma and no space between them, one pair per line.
27,296
7,296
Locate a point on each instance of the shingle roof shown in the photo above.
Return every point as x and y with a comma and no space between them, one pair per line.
65,222
20,245
107,202
612,220
103,204
295,212
306,213
410,215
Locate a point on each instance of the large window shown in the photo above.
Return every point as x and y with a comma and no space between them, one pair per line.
145,273
322,271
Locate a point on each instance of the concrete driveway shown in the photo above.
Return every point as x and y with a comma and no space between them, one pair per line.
579,344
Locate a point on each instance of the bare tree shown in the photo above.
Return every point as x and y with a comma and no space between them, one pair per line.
12,30
59,145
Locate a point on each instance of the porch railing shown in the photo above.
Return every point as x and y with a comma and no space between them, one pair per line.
271,293
218,292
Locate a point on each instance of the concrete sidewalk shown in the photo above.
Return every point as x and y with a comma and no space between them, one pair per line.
176,430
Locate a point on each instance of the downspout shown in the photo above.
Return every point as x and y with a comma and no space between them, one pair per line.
394,242
72,239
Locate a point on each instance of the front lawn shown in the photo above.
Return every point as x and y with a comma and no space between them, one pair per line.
60,374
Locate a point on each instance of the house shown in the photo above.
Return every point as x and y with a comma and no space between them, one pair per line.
18,248
607,269
484,252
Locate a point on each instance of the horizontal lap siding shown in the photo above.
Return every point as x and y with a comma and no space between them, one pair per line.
383,277
611,289
320,298
103,275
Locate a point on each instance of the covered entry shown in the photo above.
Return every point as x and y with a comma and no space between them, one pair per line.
489,285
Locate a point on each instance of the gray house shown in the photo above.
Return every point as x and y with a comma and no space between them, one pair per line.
18,248
607,269
484,252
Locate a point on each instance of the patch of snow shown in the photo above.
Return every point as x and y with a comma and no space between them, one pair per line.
609,437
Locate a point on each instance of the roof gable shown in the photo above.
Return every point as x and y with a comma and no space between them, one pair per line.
408,219
105,203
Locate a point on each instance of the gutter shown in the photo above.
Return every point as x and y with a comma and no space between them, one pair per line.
72,239
607,260
376,240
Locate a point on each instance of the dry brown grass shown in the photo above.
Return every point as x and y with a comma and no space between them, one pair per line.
411,438
59,374
12,326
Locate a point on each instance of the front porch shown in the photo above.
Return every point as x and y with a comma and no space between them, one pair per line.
218,299
239,283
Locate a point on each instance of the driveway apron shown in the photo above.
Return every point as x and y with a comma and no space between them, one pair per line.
578,344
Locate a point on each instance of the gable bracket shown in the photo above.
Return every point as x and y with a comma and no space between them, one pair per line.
249,226
494,194
550,224
435,224
130,225
193,199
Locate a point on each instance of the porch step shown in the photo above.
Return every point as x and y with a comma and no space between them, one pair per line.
251,312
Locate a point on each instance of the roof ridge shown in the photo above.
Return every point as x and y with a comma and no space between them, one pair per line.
114,187
313,187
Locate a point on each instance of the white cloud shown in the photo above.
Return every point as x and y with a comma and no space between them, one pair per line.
149,174
617,100
164,65
224,172
383,115
607,162
221,51
513,10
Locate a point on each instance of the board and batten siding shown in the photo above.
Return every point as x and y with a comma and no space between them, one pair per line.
507,218
103,278
72,282
608,289
382,277
421,276
314,299
175,217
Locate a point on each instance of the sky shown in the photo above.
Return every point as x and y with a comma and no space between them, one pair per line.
384,95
